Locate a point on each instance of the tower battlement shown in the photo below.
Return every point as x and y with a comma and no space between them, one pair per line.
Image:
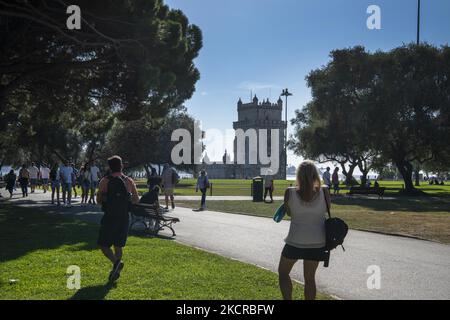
260,104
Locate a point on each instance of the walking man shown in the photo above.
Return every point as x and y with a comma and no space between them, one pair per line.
24,178
10,180
55,183
94,178
45,175
34,175
327,178
169,180
66,176
268,186
116,193
335,180
202,185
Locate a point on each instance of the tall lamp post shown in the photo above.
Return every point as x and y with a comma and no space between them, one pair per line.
286,94
418,22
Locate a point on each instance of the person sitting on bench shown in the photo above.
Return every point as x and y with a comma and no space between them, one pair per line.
151,197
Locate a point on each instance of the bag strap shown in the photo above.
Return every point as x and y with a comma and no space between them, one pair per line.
326,203
121,178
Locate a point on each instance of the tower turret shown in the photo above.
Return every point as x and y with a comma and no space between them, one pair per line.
280,102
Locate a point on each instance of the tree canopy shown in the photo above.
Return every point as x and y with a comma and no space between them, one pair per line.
383,106
60,89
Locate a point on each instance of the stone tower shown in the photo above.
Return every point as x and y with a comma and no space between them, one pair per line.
259,116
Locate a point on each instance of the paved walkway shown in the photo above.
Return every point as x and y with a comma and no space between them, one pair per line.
410,269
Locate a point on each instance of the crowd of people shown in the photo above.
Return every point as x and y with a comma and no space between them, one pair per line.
57,179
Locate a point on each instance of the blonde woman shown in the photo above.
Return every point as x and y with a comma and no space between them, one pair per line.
306,239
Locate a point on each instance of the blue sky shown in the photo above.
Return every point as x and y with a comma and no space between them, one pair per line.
266,45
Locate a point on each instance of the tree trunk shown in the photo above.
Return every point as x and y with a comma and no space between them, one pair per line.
348,174
417,176
364,179
91,153
406,170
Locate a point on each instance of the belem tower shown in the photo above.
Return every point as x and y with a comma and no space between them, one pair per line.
258,115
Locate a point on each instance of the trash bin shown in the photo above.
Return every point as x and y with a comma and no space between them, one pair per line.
258,189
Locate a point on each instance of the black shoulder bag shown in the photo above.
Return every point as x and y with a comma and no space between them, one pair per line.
335,231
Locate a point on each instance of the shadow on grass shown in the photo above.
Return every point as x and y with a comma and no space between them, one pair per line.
24,230
147,235
93,293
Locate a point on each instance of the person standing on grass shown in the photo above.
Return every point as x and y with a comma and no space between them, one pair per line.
24,180
116,194
55,183
10,180
307,207
268,186
335,180
94,178
327,178
66,177
169,180
45,175
34,176
202,185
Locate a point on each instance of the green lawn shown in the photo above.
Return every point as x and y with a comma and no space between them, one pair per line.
37,247
243,187
424,218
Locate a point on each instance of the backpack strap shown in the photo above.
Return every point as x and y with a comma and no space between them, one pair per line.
326,203
122,178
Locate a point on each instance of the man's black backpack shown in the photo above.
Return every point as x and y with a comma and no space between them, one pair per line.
335,231
118,200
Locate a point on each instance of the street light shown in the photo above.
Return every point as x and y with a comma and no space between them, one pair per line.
286,94
418,22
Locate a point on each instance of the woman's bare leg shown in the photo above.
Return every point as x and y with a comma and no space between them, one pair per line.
284,270
309,273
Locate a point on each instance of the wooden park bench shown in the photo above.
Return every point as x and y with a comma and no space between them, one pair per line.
367,191
153,218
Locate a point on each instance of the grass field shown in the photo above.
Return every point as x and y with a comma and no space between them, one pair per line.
37,247
243,187
417,217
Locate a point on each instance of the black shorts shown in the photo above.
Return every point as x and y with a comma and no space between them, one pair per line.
293,253
113,232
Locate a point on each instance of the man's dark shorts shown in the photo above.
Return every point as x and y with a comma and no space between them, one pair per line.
113,232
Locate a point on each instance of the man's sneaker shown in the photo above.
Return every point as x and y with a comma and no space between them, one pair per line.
115,273
173,205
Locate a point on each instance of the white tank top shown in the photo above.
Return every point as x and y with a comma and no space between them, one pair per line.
307,228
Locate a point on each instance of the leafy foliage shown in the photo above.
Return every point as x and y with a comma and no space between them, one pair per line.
60,89
381,107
